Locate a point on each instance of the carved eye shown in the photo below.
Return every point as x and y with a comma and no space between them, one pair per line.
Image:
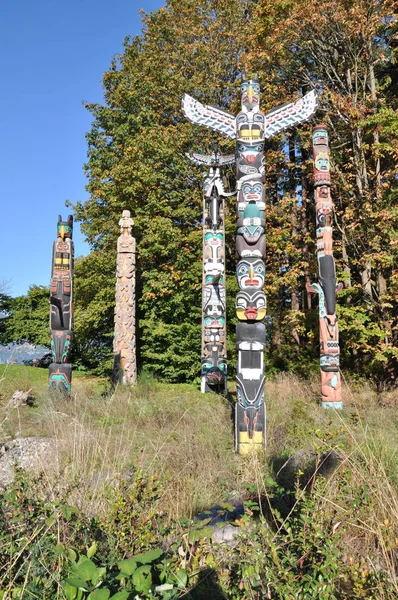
258,188
244,87
259,269
256,88
243,270
260,302
241,302
246,189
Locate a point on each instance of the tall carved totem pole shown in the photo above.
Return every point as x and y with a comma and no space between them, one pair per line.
61,308
250,128
326,287
124,341
214,350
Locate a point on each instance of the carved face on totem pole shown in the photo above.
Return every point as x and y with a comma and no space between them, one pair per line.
214,246
65,228
250,91
252,225
251,305
251,273
251,192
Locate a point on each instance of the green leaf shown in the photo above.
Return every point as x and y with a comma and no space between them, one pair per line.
198,534
59,549
142,579
148,557
72,555
127,566
86,569
181,578
70,591
102,594
51,520
92,550
78,583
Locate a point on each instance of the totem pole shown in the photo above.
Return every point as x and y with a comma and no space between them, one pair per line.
61,308
326,287
125,365
250,128
214,351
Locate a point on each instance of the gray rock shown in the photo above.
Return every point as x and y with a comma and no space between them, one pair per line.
19,398
31,454
225,534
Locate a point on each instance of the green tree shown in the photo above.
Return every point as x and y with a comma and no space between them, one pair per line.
27,317
136,161
345,48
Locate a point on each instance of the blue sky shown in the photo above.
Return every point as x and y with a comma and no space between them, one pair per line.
53,56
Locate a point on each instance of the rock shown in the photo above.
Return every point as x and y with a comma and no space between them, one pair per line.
32,454
20,398
225,534
303,465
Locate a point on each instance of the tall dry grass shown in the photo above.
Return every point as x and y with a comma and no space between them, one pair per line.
185,439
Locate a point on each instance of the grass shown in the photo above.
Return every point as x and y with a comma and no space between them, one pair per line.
186,439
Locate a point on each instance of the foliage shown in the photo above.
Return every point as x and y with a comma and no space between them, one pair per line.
27,317
135,466
347,50
299,556
136,160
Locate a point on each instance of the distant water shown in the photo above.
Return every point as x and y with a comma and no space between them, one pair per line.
17,353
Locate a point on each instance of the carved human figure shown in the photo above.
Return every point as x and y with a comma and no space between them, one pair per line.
61,308
124,341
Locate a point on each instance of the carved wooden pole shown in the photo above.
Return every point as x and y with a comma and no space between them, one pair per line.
124,342
326,287
250,128
61,308
214,349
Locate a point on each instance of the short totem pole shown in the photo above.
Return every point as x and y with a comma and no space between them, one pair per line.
124,342
61,308
326,287
214,351
250,128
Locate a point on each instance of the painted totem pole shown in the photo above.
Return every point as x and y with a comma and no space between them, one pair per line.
326,287
214,351
250,128
125,365
61,308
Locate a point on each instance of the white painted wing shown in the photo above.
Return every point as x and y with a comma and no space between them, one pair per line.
228,159
285,116
205,159
199,159
209,116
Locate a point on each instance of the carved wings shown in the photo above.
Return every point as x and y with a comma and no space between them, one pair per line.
285,116
276,120
209,116
204,159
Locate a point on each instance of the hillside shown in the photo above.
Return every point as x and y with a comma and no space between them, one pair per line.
316,517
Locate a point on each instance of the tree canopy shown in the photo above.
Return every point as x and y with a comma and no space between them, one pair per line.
347,49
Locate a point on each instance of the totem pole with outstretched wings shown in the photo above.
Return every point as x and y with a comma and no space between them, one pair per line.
250,128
